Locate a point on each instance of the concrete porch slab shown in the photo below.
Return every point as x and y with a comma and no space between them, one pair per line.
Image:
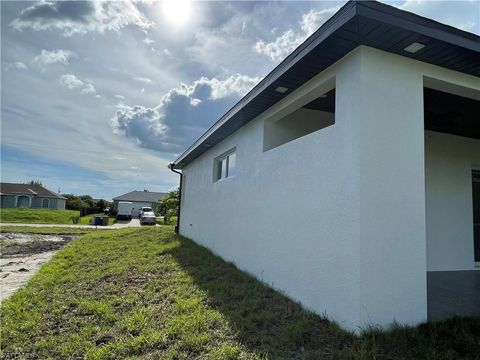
453,293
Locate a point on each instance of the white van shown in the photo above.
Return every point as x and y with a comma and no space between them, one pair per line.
124,210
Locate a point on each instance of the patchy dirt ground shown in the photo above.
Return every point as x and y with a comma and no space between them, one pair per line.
22,255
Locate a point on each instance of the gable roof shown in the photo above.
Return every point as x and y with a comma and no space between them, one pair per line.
141,196
37,190
369,23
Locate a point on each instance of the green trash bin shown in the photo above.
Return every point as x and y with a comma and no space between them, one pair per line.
105,220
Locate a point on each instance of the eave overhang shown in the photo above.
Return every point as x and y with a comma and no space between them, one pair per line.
368,23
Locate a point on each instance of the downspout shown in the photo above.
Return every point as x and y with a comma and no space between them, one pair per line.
171,167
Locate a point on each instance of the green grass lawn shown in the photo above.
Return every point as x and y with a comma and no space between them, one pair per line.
45,216
146,293
50,230
171,221
37,216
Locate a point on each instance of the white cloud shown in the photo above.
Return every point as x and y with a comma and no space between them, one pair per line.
182,115
463,14
148,41
289,40
281,47
52,57
312,20
143,80
71,82
72,17
221,48
88,89
161,52
235,85
195,102
16,65
121,97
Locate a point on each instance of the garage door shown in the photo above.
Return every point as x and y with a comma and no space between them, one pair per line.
137,206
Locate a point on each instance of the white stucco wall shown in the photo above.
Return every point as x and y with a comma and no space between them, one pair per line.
290,214
449,163
389,105
335,219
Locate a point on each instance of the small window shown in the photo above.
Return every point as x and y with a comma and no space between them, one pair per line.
225,166
45,203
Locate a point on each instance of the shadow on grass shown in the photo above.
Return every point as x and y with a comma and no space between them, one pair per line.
263,320
269,323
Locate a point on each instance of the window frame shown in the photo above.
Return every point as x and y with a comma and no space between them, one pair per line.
221,161
48,203
474,169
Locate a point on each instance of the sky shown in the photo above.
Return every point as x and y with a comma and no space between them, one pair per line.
99,97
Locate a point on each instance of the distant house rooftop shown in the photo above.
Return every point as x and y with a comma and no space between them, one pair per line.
19,189
143,196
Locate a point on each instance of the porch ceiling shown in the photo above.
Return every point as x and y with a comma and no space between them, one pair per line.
369,23
451,114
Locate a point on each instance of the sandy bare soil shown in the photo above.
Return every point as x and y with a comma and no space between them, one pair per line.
22,255
16,271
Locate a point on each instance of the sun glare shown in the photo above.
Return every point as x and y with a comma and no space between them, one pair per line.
177,12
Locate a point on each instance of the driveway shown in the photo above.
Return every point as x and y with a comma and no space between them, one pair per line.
125,223
117,225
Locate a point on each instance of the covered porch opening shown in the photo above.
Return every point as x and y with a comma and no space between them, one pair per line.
452,199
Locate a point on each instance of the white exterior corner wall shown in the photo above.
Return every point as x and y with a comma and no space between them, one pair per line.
335,219
392,191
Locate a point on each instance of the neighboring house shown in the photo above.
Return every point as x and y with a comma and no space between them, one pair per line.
30,196
140,199
349,177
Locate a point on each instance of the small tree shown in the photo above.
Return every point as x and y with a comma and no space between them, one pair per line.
102,204
74,202
168,206
35,182
87,199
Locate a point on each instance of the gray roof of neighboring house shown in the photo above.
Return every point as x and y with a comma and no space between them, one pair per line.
141,196
368,23
20,189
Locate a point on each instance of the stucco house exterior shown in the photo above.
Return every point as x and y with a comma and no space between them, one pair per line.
349,177
30,196
140,199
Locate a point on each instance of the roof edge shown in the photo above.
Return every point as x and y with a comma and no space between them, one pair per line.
345,13
373,10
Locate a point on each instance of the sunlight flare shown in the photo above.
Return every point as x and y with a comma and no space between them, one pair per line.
177,12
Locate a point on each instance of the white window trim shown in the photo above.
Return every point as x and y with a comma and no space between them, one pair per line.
29,200
218,160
